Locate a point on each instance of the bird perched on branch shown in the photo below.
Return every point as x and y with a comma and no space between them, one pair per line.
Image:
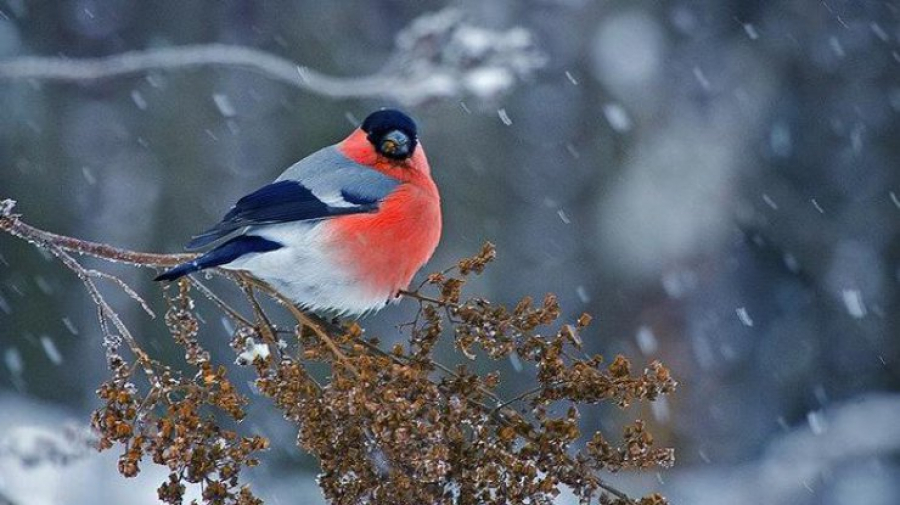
342,230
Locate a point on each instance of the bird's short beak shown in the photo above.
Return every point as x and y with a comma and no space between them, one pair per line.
395,144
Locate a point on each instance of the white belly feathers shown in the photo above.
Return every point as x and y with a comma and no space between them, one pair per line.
305,271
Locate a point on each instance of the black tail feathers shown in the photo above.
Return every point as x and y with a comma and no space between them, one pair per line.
179,271
225,253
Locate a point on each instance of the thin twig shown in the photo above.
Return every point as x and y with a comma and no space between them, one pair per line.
125,287
521,396
424,298
615,492
234,314
106,311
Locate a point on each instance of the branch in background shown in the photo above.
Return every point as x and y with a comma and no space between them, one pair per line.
438,56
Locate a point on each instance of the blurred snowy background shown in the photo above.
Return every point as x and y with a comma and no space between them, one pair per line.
717,182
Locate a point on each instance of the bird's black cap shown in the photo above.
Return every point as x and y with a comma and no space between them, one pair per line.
381,123
385,120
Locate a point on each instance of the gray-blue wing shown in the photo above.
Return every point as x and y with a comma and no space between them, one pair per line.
324,185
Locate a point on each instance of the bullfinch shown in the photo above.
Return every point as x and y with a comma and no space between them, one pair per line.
340,231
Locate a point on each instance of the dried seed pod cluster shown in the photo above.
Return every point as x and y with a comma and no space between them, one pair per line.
172,421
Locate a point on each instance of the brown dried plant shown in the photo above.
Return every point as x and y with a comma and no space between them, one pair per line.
387,426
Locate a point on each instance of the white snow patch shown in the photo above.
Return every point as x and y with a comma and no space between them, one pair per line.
251,352
701,78
678,283
879,32
780,140
895,199
750,30
475,40
854,303
790,261
488,81
837,47
70,326
229,327
88,175
13,359
817,206
223,103
138,99
50,350
583,295
816,422
617,117
646,340
515,362
660,409
43,284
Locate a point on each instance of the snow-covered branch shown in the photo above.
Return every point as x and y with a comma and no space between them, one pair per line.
437,56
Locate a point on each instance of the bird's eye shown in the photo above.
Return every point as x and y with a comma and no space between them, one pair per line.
395,144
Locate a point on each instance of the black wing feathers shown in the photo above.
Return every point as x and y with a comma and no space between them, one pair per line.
279,202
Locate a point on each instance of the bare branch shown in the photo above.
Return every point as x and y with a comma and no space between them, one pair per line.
106,311
230,311
10,223
125,287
